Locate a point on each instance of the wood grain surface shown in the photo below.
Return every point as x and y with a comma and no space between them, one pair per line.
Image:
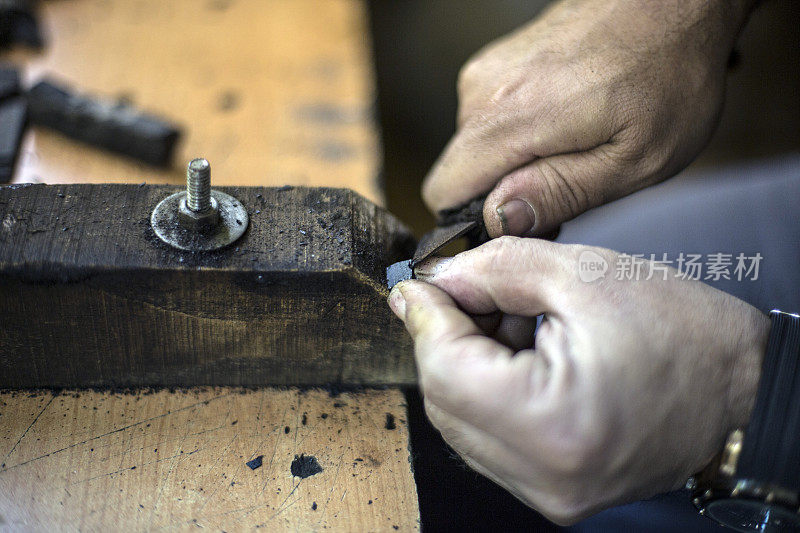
272,92
102,461
93,298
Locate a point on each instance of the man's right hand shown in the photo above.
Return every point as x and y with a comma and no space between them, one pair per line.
593,100
630,387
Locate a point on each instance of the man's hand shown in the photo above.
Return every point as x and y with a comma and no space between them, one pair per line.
593,100
632,386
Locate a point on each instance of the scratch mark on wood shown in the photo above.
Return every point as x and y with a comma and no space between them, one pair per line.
112,432
27,430
127,469
172,465
219,459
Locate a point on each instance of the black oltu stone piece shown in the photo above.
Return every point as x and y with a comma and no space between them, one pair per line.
304,466
13,119
105,124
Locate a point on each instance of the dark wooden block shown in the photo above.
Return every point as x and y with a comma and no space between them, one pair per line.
91,297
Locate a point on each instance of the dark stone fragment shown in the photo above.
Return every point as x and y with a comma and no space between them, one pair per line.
111,125
255,463
398,272
390,421
304,466
314,506
13,119
9,82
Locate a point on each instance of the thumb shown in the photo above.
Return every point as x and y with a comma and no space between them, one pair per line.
536,198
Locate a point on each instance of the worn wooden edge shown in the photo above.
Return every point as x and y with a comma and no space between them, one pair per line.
96,301
108,226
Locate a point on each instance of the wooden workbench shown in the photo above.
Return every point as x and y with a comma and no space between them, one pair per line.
272,93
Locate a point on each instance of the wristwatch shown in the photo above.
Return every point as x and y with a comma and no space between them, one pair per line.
754,484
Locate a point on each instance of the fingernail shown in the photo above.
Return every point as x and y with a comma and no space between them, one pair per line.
516,217
432,267
397,302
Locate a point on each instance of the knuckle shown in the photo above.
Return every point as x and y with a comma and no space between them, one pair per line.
568,193
495,255
645,147
469,74
507,90
503,247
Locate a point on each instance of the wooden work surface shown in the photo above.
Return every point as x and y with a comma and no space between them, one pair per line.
165,460
271,92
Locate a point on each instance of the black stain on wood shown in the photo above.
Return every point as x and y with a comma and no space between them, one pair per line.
255,463
304,466
390,422
304,420
287,429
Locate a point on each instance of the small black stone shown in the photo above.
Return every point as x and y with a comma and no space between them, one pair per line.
398,272
255,463
304,466
390,421
314,506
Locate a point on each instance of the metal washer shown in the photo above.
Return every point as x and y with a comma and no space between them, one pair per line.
232,224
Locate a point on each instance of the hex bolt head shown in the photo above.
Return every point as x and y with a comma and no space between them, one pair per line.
198,220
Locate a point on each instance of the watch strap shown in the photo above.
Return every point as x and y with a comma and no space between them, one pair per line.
771,449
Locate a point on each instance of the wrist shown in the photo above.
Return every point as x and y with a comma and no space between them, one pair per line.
749,348
707,28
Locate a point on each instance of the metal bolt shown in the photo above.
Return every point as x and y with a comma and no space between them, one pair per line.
199,219
199,211
198,185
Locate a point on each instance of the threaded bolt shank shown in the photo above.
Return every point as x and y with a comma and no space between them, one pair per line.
198,185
